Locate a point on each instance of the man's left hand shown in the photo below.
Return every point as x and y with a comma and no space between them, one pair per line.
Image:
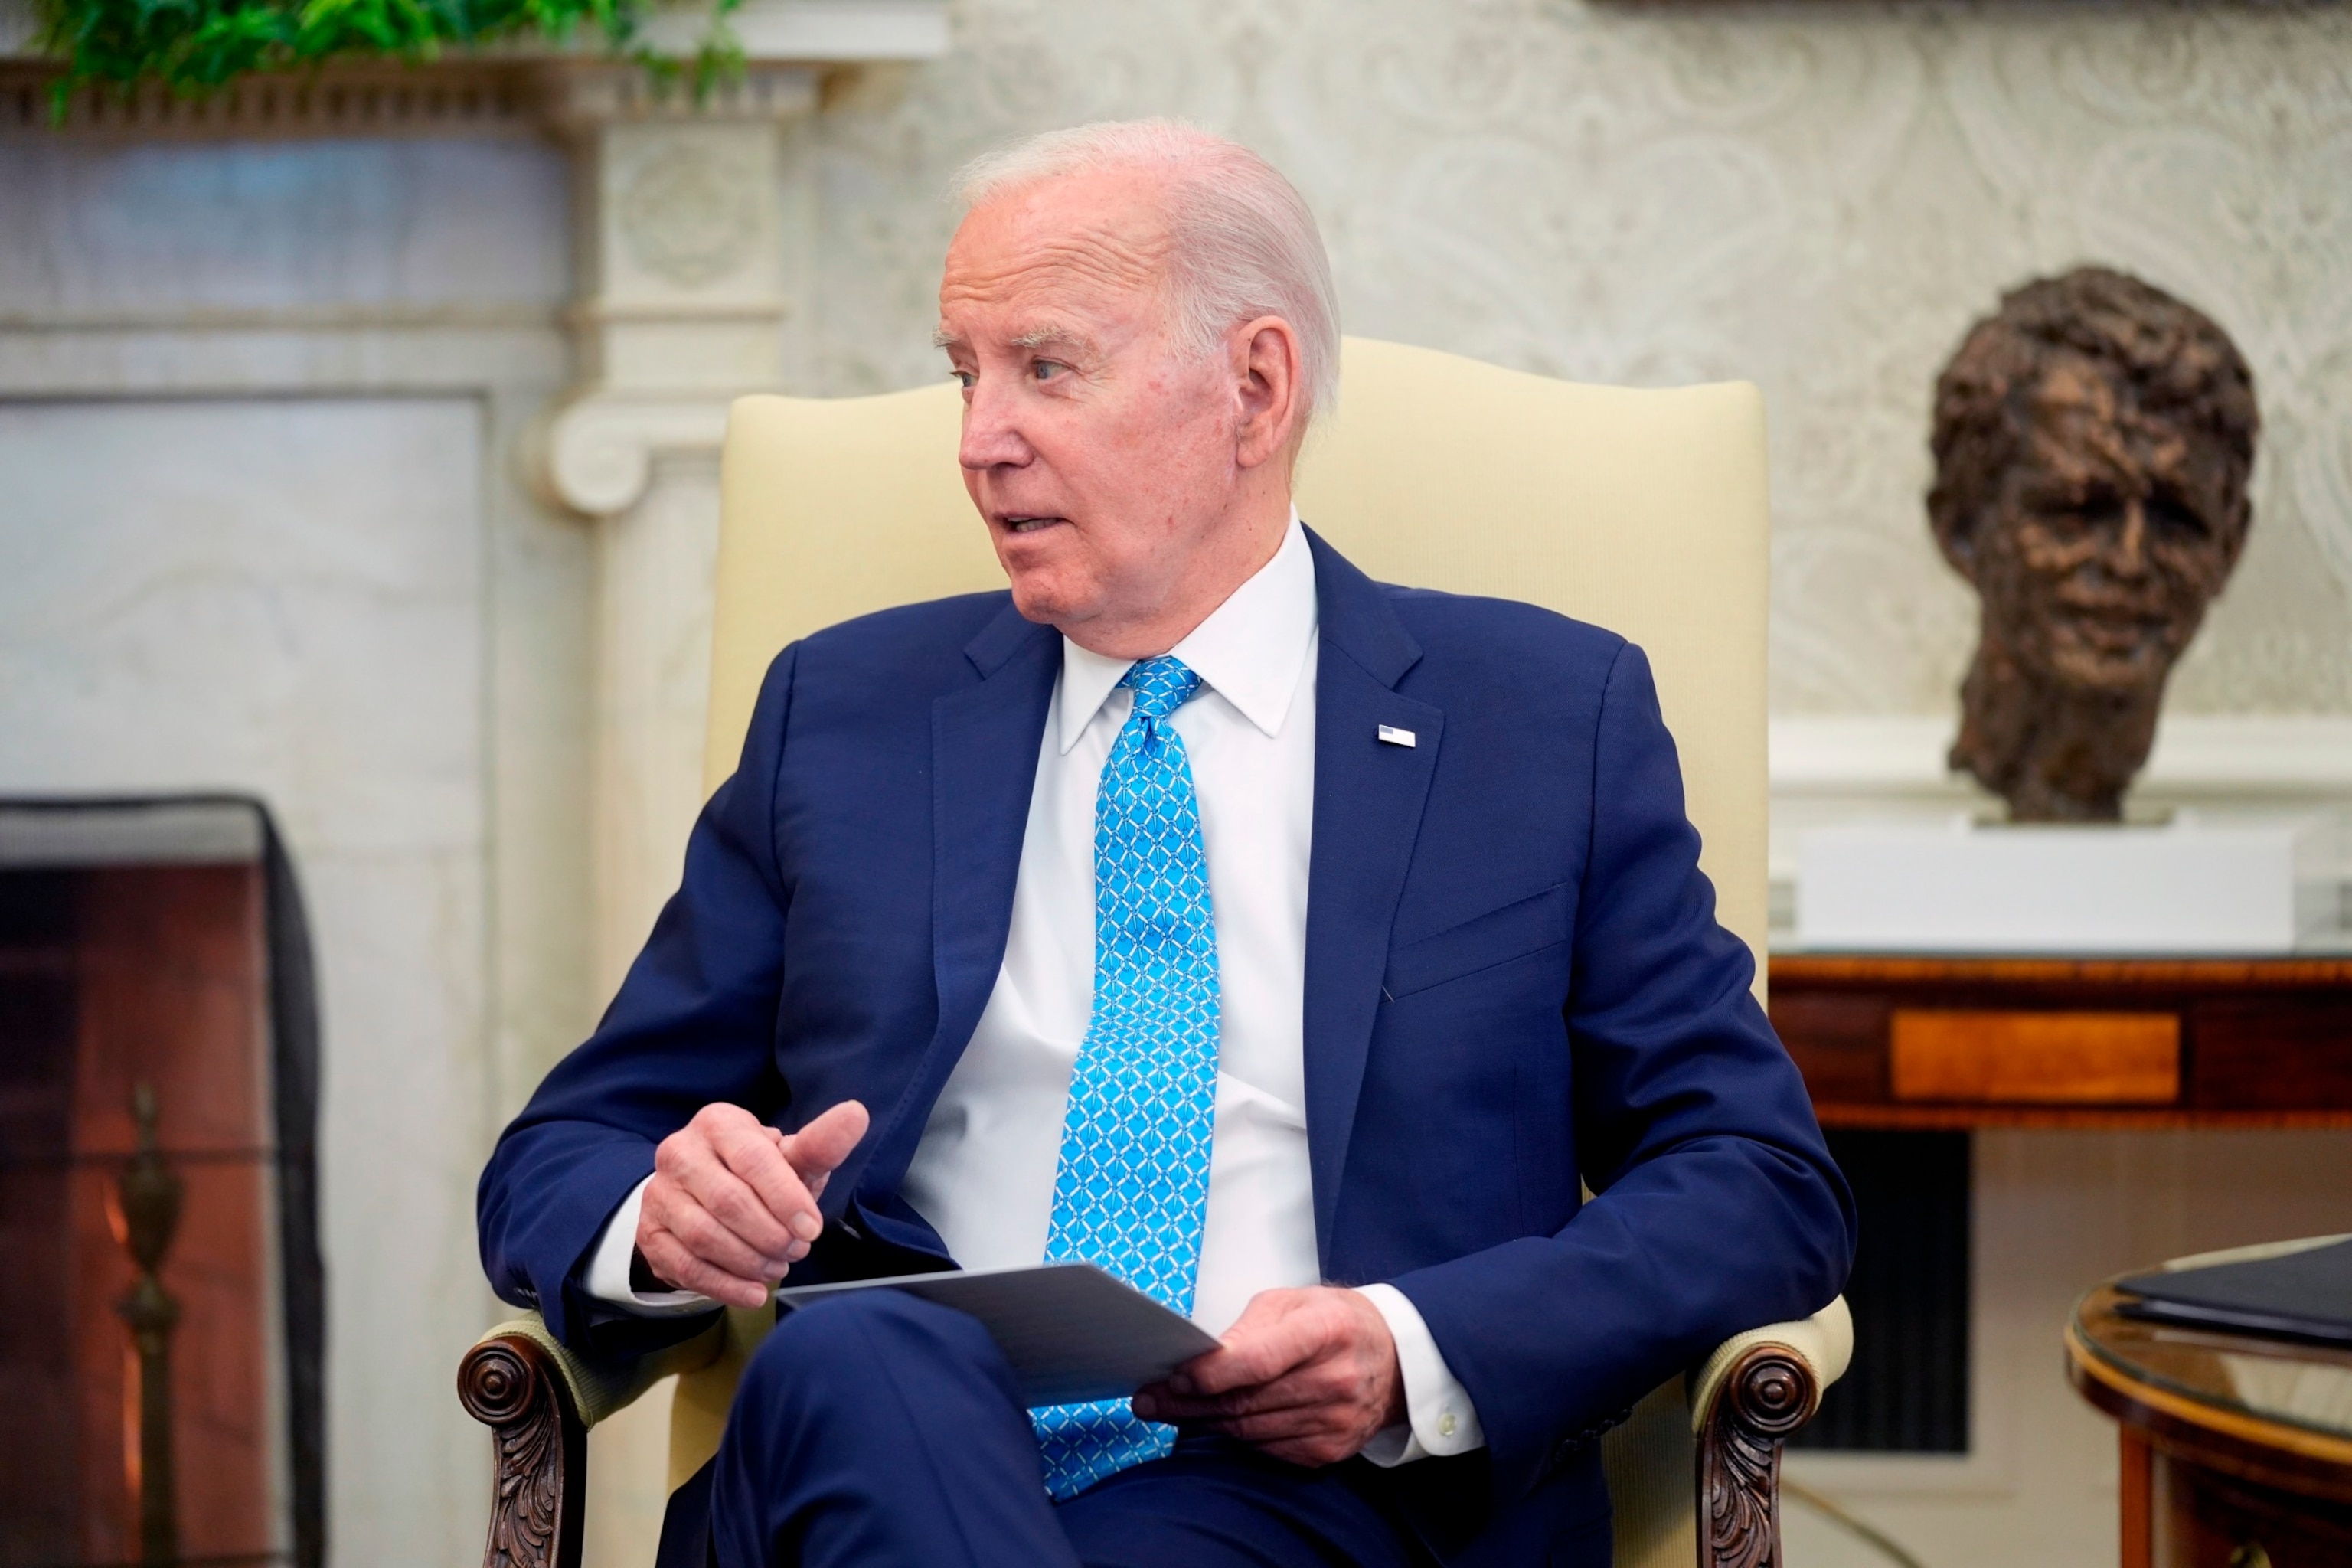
1309,1376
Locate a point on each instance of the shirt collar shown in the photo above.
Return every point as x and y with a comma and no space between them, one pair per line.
1250,650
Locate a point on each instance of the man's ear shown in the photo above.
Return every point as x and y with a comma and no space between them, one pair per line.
1265,359
2234,528
1959,543
1955,515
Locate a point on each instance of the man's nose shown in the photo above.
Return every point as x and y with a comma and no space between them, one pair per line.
992,435
2127,557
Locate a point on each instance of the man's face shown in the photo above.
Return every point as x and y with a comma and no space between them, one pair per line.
1099,451
2106,541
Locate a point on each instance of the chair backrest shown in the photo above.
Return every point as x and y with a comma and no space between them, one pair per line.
1642,511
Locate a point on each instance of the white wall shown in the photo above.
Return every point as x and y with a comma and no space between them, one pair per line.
1817,196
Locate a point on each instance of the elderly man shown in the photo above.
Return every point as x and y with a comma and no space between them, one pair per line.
1287,944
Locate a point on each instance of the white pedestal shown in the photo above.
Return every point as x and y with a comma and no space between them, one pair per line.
2188,887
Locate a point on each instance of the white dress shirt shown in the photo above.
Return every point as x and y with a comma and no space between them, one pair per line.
982,1173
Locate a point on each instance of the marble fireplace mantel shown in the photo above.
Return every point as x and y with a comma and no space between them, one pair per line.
691,227
691,233
689,213
511,87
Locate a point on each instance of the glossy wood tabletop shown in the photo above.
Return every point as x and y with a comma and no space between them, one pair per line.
2271,1411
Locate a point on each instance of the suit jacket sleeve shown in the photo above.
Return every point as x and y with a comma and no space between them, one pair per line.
693,1023
1718,1207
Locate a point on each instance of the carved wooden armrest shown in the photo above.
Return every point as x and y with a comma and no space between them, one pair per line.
511,1383
1755,1390
538,1398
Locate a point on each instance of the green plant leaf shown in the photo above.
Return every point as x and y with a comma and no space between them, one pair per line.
197,47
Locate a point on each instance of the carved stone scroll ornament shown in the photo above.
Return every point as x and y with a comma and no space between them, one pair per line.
510,1385
2093,439
1768,1396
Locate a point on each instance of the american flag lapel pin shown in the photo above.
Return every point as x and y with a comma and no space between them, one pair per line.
1396,737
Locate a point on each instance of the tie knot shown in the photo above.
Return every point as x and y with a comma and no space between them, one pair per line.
1161,685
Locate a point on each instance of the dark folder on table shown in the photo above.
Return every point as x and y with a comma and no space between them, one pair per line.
2304,1295
1071,1332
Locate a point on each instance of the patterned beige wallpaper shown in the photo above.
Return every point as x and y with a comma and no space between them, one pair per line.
1817,196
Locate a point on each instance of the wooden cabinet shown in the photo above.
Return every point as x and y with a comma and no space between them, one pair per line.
1977,1042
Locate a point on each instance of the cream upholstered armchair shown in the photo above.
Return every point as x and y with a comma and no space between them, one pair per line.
1645,511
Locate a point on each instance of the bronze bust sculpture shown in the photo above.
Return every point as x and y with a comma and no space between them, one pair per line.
2092,440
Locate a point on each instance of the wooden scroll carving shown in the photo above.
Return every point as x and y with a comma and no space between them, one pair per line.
1768,1394
511,1385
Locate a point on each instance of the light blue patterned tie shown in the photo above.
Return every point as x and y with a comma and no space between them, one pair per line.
1132,1189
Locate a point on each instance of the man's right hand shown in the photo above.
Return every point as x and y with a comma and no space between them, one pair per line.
732,1203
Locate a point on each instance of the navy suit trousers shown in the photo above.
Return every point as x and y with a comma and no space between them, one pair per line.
876,1430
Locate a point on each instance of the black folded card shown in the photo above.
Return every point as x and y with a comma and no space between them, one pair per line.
1070,1331
2304,1295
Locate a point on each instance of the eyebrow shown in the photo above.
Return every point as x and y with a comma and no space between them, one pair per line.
1045,336
1034,338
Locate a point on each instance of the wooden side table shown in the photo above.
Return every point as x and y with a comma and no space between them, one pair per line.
1924,1042
2237,1450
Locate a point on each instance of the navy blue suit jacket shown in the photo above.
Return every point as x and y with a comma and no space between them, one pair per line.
1514,979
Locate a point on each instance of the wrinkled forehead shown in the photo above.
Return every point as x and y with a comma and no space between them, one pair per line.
2083,422
1083,248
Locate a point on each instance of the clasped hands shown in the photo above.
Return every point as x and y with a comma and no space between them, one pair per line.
1308,1376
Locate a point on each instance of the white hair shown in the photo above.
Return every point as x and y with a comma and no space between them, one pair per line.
1242,242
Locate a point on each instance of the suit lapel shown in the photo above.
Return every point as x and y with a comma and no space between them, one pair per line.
984,741
1369,796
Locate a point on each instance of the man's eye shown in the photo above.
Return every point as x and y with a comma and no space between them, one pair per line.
964,379
2100,508
1046,369
2171,517
2060,510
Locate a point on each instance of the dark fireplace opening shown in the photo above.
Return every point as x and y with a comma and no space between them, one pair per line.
161,1300
1908,1390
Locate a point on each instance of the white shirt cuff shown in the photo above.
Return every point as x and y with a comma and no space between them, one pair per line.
608,1268
1439,1420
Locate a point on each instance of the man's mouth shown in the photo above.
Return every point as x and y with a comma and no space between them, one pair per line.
1025,522
2115,635
2112,631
